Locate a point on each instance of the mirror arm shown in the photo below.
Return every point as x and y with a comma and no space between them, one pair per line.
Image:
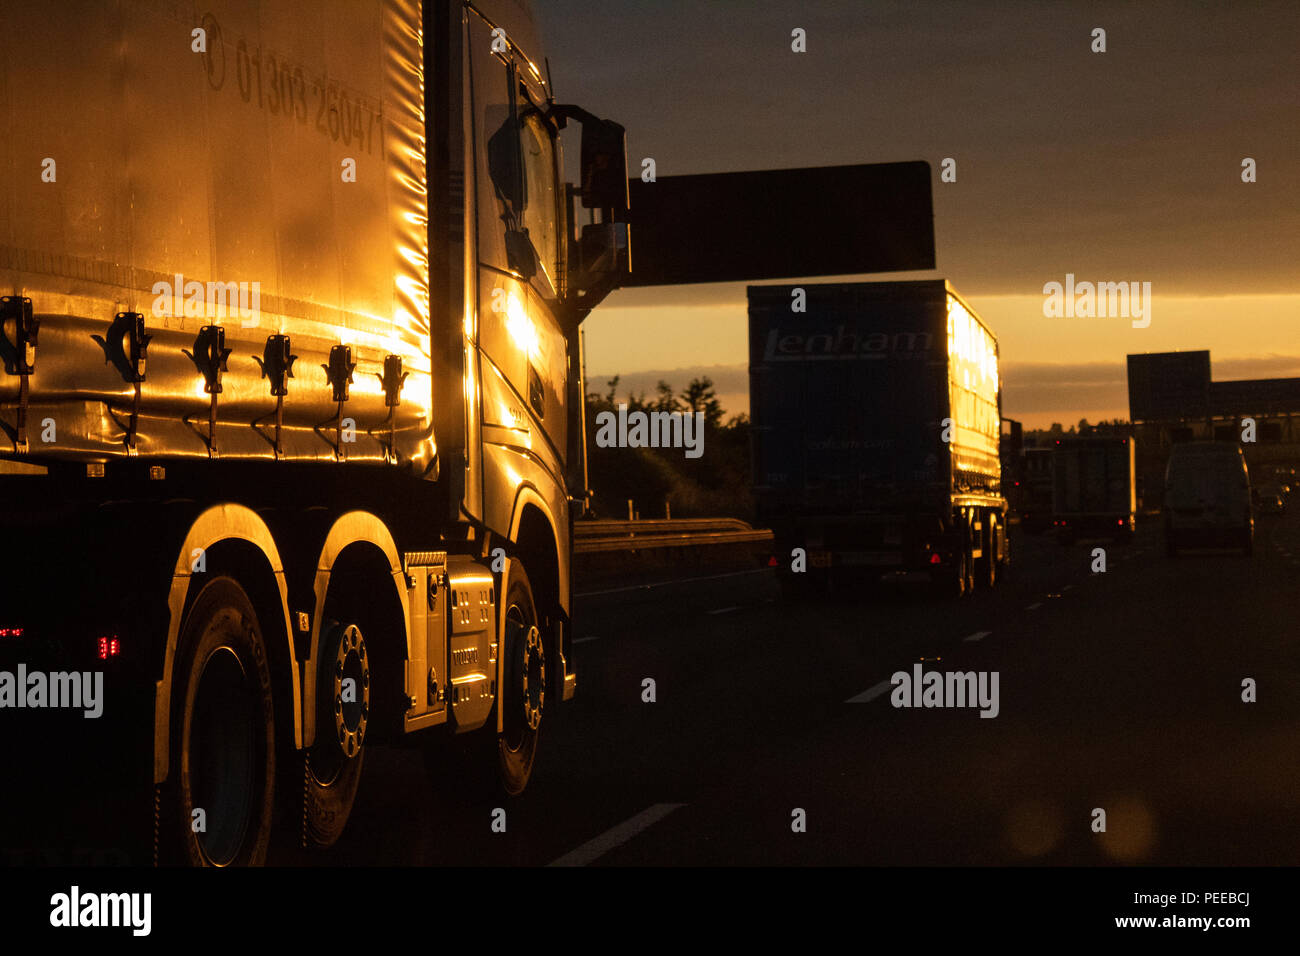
561,113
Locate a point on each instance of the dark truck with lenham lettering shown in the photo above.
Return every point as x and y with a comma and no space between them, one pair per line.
876,413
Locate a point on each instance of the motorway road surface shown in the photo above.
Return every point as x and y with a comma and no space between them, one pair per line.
1119,691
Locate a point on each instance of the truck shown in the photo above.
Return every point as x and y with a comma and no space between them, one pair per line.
291,407
1094,491
1207,499
876,421
1036,489
1011,442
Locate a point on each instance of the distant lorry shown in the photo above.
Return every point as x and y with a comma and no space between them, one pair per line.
1036,489
1094,491
876,412
1208,498
1010,452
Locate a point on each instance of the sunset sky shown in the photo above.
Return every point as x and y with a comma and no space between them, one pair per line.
1115,166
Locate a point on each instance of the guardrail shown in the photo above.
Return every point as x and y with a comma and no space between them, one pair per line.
595,536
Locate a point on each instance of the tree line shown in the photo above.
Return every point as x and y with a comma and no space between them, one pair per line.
660,481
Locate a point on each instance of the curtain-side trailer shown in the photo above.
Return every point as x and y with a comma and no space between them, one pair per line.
291,405
876,413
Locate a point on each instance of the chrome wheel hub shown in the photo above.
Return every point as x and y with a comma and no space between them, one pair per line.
351,681
533,676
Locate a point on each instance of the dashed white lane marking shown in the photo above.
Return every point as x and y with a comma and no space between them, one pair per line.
1068,587
1035,606
615,837
584,640
871,693
977,636
724,610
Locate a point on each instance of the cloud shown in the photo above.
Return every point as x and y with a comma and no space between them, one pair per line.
1032,392
1120,165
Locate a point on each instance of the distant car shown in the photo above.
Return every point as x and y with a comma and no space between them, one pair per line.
1207,498
1270,497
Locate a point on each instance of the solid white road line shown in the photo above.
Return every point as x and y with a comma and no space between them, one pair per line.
871,693
1034,607
724,610
584,640
615,837
977,636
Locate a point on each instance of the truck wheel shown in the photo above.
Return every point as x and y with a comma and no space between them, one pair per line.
218,801
988,567
958,580
333,769
523,694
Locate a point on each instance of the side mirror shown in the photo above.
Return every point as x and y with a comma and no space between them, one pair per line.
599,256
604,167
599,248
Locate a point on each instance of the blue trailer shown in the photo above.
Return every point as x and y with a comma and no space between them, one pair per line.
876,413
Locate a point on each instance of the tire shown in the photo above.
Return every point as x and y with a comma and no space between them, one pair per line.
1171,548
222,736
1248,542
988,565
956,582
523,691
333,763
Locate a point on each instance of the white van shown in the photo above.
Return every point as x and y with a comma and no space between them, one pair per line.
1207,497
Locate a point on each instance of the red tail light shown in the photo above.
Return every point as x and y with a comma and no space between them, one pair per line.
11,632
109,647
